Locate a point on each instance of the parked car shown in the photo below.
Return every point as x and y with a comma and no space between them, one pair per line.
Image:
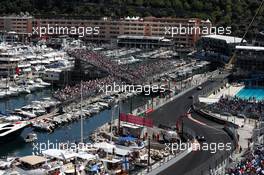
199,88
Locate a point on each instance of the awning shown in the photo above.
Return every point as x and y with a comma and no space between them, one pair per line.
109,148
86,156
59,154
32,160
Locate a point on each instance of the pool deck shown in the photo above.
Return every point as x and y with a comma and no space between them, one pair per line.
228,90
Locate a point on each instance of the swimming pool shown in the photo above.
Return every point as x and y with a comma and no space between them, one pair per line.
246,93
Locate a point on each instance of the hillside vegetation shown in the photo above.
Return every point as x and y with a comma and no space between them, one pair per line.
234,13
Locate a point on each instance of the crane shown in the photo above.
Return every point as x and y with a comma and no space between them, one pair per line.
232,60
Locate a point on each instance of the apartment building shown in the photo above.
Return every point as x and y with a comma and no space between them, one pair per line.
109,29
19,24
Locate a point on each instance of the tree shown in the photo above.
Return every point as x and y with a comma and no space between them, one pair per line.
186,6
227,20
138,2
197,5
177,4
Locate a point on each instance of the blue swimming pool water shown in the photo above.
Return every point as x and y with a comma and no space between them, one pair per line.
246,93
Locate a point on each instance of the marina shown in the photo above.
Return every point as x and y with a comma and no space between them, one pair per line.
54,155
52,108
71,127
96,114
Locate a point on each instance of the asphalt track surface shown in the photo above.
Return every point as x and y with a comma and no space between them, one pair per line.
213,132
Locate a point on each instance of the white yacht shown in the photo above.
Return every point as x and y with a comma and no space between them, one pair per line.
24,114
12,118
9,131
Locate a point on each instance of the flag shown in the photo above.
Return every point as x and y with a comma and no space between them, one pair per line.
17,70
149,110
141,114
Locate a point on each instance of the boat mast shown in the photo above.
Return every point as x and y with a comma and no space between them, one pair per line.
112,118
8,72
81,113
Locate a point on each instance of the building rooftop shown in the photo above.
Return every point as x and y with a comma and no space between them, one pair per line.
140,37
158,38
21,16
255,48
228,39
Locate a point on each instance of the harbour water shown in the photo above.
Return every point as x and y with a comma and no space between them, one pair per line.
11,103
69,132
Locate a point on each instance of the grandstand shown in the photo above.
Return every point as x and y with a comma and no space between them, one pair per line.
250,65
216,48
146,42
259,39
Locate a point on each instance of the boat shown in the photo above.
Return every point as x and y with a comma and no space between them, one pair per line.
105,105
112,165
24,114
31,85
5,164
34,109
43,126
2,94
12,118
93,109
9,91
24,90
86,113
31,137
14,91
97,106
142,160
8,131
39,112
57,120
41,82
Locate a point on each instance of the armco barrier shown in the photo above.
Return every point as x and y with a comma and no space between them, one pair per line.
229,127
213,118
215,165
163,166
167,164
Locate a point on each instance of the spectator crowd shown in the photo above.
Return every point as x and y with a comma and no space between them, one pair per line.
137,73
253,164
89,88
236,106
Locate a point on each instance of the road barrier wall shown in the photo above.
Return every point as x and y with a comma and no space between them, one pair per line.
216,164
